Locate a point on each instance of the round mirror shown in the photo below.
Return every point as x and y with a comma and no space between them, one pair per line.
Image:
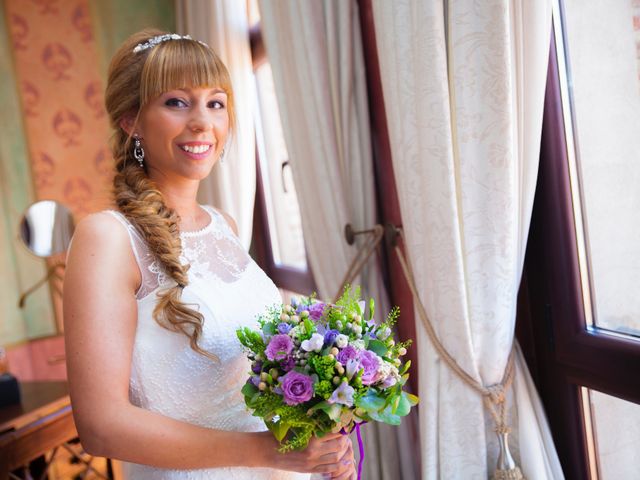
46,228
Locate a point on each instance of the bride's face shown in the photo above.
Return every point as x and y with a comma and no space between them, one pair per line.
183,132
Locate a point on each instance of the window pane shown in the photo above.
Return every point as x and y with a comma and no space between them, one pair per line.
617,434
283,212
603,51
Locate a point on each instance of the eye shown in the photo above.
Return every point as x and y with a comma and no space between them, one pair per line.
217,104
175,102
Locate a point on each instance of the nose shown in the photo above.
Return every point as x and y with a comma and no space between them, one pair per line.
200,120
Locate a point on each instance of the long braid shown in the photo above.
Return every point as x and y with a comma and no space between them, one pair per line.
143,204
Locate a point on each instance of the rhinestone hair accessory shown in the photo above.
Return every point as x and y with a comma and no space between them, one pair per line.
158,39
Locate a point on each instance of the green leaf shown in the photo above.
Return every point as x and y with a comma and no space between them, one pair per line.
377,347
370,402
308,325
279,429
334,412
413,399
386,416
249,389
321,406
404,406
372,308
405,367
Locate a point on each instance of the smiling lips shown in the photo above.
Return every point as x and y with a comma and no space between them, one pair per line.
196,150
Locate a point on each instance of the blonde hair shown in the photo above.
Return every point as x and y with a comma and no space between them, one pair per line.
134,79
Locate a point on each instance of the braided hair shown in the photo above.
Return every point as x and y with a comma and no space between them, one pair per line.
134,79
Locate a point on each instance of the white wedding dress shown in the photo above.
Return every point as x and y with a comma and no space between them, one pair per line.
167,376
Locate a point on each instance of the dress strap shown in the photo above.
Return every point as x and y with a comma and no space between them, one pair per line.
151,275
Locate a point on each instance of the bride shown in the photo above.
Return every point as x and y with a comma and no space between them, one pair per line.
156,287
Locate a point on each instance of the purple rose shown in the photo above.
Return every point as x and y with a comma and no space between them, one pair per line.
330,337
284,328
254,380
316,310
279,347
370,362
347,353
296,388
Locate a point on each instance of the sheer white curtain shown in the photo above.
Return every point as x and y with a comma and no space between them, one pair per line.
464,88
224,26
315,51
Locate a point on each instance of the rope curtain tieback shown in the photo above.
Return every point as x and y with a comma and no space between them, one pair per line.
494,396
375,235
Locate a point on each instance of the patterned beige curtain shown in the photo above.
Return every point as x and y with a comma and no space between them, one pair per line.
464,87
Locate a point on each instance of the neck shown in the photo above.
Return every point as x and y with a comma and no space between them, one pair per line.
182,198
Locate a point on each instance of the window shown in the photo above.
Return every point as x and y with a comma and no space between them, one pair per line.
582,259
278,239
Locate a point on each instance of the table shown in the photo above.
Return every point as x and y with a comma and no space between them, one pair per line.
40,423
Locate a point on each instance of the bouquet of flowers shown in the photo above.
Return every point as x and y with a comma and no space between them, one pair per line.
319,368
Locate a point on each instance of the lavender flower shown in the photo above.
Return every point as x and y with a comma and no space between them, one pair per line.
330,337
296,388
347,353
256,367
288,363
279,347
370,362
343,395
316,310
284,328
254,380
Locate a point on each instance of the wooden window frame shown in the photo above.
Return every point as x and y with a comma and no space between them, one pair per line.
562,353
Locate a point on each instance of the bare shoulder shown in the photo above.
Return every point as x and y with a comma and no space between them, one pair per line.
100,241
230,220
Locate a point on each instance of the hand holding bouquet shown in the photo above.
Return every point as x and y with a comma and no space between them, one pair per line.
319,368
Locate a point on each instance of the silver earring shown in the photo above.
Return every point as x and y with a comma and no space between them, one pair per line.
138,151
221,157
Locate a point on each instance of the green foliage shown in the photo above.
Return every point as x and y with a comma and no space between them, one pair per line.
392,317
324,388
251,340
323,366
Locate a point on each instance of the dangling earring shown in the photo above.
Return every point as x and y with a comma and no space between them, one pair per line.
138,151
221,157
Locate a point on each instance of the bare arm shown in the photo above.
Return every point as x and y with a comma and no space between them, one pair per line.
100,314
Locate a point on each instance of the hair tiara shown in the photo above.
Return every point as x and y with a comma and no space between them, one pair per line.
158,39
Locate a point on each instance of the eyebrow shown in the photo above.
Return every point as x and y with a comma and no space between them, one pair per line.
212,91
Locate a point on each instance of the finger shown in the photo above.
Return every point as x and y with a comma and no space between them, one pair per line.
345,465
328,437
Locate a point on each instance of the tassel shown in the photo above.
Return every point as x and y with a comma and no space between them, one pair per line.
506,468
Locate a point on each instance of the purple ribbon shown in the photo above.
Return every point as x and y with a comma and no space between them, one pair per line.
360,446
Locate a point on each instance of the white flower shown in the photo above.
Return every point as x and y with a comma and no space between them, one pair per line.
362,304
295,332
342,340
353,366
359,344
384,333
314,343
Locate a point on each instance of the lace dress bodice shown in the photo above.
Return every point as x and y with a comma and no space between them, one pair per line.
167,376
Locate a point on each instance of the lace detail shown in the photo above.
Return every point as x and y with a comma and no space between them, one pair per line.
158,272
197,250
